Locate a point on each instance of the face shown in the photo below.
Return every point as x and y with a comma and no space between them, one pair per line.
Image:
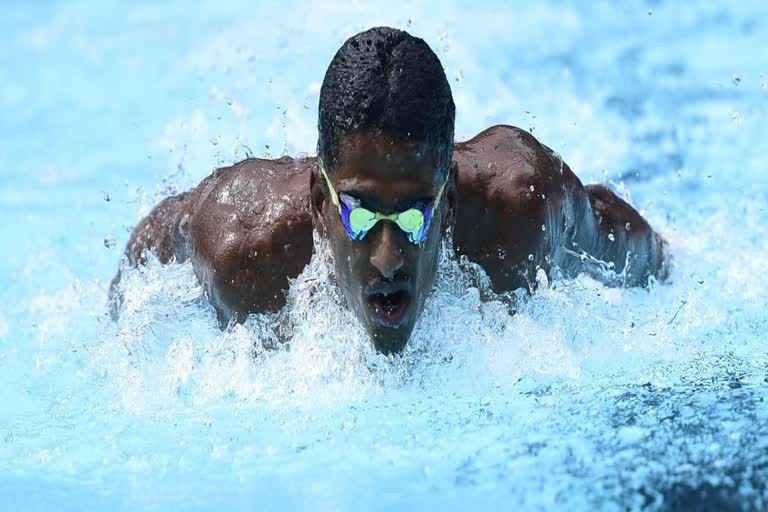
385,277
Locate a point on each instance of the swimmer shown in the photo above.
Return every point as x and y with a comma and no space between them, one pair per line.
386,186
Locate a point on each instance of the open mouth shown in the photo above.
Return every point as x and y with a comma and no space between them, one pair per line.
390,308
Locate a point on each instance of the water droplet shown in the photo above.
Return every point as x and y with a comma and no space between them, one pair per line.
532,188
107,197
530,257
627,226
109,242
611,237
736,79
543,227
650,12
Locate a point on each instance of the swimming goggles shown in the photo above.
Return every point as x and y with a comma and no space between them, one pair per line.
358,221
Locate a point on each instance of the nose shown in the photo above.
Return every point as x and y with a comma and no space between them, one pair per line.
387,256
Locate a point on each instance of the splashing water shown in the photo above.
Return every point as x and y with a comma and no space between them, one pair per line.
574,397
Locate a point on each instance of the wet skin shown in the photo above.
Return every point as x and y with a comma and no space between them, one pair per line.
514,204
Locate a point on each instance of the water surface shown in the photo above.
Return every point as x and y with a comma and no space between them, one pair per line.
586,397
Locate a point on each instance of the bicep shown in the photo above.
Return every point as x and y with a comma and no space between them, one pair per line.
159,233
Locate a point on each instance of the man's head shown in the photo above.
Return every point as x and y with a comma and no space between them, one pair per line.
386,139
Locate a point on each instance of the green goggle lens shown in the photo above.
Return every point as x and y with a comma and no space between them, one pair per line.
362,220
411,220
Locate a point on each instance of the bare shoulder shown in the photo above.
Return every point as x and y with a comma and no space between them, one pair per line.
503,157
508,183
249,230
256,192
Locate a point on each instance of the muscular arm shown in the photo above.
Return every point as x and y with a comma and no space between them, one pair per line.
521,208
621,241
159,233
249,232
246,228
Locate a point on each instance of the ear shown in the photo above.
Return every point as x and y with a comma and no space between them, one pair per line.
317,198
451,196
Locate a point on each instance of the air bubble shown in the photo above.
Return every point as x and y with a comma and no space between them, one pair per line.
736,79
611,237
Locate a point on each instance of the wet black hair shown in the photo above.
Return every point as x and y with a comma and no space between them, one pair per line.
385,80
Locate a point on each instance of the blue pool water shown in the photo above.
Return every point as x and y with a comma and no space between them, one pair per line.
586,397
